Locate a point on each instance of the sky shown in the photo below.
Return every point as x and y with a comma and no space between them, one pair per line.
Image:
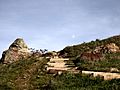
55,24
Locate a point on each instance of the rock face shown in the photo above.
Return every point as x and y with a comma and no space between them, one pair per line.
98,53
112,47
91,56
17,50
109,48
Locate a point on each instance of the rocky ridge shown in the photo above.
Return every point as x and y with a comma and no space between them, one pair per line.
17,50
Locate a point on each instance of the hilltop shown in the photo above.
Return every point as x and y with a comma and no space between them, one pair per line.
98,55
75,50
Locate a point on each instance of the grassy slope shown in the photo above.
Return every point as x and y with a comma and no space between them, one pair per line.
73,51
110,60
30,75
17,75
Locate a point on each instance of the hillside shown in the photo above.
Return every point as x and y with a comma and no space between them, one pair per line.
75,50
30,74
99,55
21,69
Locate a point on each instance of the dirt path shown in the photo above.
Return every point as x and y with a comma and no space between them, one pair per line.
106,75
60,65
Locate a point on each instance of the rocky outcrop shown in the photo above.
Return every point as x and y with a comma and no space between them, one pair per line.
98,52
112,47
17,50
108,48
91,56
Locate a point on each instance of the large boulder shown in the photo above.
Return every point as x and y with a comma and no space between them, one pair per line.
17,50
